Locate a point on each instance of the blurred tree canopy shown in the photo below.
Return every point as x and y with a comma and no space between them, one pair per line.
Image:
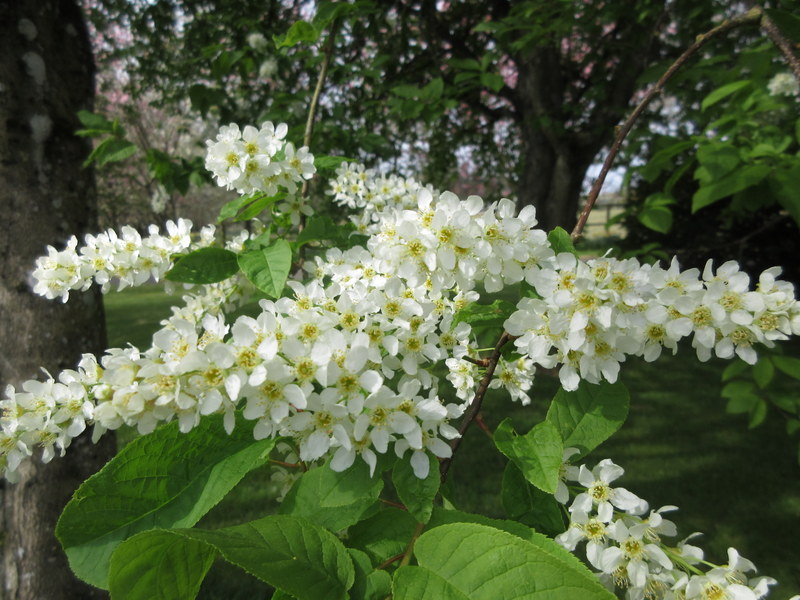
519,96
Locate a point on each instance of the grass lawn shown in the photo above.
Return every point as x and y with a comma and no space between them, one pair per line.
740,488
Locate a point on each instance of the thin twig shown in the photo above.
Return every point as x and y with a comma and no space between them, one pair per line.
481,362
327,51
394,504
475,405
389,561
483,426
753,15
411,542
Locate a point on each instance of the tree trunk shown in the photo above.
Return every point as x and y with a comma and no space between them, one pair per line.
551,180
46,76
555,159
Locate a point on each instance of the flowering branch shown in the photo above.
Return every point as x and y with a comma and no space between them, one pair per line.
751,16
475,406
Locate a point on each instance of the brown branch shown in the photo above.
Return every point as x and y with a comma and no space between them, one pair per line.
753,15
475,406
783,44
481,362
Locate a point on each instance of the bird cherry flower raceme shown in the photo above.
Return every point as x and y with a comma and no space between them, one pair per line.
593,314
125,255
378,317
249,160
626,545
370,193
388,309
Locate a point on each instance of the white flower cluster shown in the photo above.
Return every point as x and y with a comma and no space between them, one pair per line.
624,542
456,244
258,160
340,371
345,368
364,190
591,315
783,84
125,256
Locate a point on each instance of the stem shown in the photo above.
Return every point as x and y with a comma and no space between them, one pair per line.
784,45
483,426
390,503
327,51
285,464
389,561
411,542
751,16
475,406
481,362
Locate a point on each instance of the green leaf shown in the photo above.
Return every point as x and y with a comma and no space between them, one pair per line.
737,388
737,367
384,534
723,92
657,218
493,81
94,121
560,241
417,494
432,91
788,365
484,563
246,207
322,227
529,505
268,268
538,453
159,564
717,160
164,479
229,209
258,205
300,31
757,414
406,90
287,552
333,500
204,265
664,159
763,372
442,516
742,403
415,583
329,163
489,315
588,416
112,149
734,182
370,583
783,184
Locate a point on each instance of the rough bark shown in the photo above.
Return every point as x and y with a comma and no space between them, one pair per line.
46,74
